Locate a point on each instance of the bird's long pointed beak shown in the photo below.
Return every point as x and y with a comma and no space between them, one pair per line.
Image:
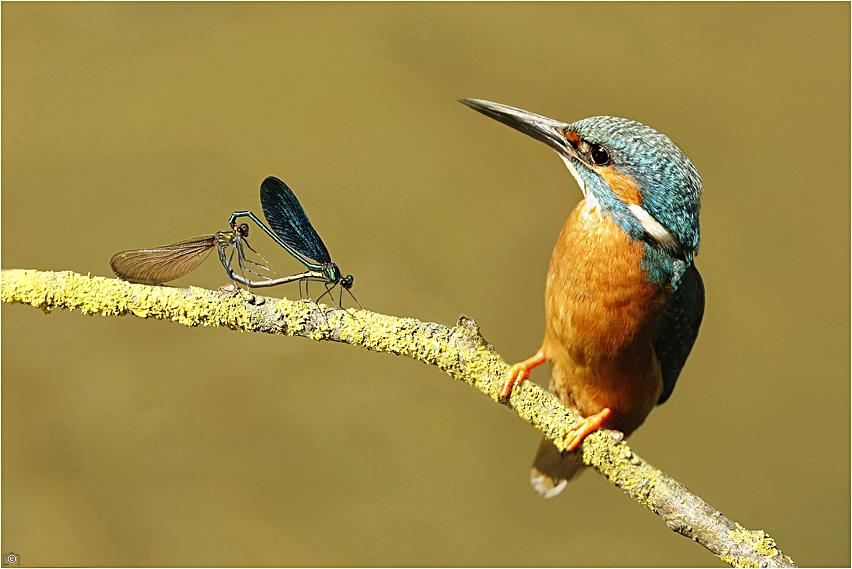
541,128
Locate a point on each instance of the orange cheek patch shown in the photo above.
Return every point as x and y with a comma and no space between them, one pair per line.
622,186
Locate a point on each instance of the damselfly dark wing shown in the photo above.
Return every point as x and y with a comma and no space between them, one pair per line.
167,263
288,220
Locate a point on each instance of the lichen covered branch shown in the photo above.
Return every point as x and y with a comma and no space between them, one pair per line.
461,351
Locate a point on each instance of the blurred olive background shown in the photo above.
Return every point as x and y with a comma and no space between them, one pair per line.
133,442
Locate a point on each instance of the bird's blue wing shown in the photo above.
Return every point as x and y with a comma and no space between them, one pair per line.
679,333
289,221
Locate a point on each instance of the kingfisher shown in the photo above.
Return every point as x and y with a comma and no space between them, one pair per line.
623,299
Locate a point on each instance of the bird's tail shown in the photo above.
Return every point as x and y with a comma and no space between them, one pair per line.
551,471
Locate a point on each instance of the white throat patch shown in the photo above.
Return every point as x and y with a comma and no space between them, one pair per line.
590,197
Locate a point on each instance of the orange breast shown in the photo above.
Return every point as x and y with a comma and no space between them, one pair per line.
602,321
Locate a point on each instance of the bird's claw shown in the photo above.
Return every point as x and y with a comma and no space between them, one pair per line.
585,427
519,372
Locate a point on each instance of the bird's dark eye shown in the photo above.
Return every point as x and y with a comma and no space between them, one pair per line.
599,154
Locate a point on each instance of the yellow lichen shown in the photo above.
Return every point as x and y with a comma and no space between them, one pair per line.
757,539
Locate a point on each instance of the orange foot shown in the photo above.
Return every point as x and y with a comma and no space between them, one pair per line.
586,427
518,373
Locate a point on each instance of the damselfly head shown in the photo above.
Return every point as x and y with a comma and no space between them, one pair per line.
333,274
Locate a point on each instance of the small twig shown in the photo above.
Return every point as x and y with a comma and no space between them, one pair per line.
461,351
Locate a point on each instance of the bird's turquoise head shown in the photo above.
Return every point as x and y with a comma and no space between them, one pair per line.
637,175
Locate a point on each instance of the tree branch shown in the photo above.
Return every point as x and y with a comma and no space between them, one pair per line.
461,352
